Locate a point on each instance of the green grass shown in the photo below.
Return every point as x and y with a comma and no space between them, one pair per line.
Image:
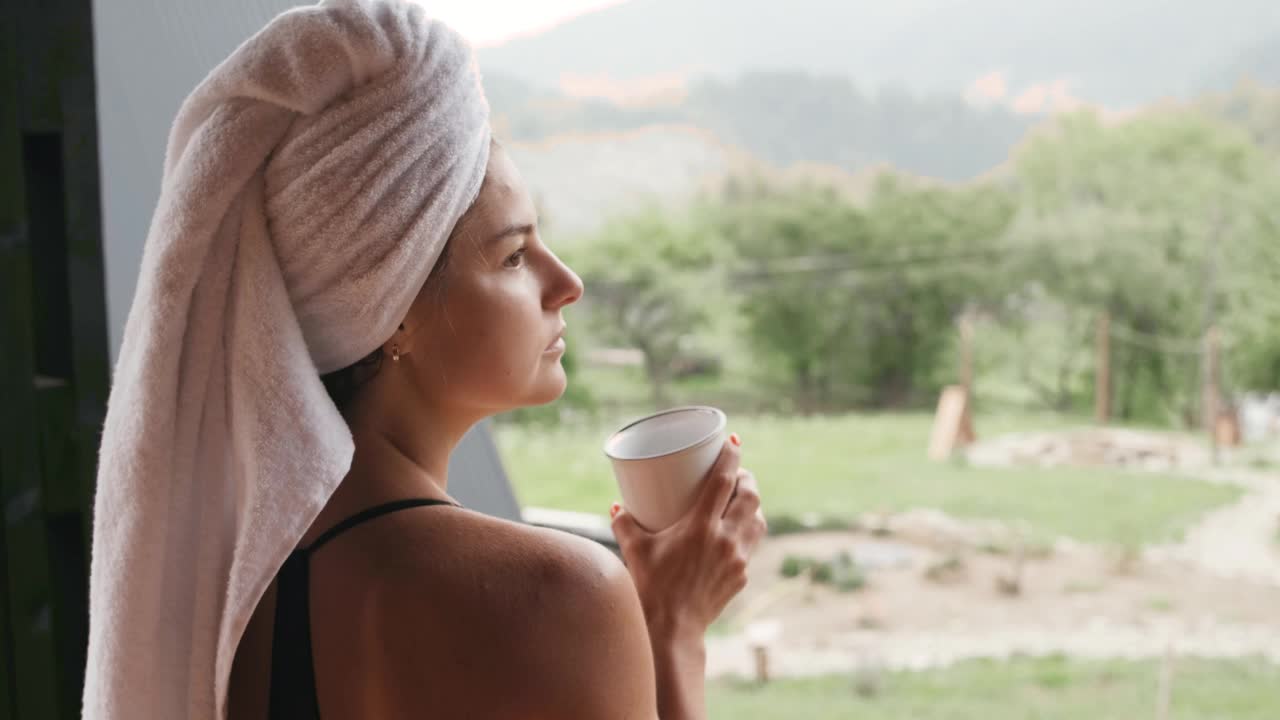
851,464
1052,688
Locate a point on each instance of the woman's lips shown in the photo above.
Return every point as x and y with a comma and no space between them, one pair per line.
558,342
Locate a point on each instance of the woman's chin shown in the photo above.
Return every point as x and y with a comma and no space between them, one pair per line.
550,387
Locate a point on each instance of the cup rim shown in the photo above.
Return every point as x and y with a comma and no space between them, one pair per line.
721,422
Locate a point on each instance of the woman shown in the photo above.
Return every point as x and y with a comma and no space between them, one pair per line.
469,616
344,275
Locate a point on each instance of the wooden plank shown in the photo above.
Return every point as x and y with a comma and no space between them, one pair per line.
8,709
30,601
85,261
29,607
952,424
69,583
11,201
39,48
68,564
21,496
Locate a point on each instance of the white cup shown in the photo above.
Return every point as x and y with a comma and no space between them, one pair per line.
660,460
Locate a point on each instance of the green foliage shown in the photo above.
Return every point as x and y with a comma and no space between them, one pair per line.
840,571
793,565
1254,108
787,523
813,297
647,281
821,572
1159,221
848,575
799,323
854,303
1048,688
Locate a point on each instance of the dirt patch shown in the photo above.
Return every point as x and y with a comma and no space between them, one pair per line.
1094,447
934,589
925,604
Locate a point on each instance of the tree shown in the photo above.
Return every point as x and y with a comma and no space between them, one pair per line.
855,302
647,277
796,316
1143,219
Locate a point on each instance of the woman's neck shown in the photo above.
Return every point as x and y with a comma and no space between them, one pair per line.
401,450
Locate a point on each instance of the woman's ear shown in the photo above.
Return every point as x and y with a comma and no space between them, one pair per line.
398,343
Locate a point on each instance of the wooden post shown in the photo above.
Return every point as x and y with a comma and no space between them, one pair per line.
952,423
761,654
1211,400
967,434
953,420
1102,379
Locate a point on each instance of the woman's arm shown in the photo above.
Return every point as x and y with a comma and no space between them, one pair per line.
680,665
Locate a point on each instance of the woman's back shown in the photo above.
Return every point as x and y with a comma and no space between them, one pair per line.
450,612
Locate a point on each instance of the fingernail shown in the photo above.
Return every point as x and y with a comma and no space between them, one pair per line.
733,438
613,510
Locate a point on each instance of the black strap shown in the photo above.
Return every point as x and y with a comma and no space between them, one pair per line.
369,514
293,677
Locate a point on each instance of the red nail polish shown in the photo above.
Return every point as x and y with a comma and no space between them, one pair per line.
733,438
613,511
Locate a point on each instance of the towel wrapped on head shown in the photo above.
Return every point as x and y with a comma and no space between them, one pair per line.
310,183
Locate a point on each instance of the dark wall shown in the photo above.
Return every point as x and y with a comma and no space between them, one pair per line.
53,350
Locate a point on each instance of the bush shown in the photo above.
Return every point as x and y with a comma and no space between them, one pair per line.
793,565
841,572
821,572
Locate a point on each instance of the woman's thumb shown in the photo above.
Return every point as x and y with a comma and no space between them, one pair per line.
625,527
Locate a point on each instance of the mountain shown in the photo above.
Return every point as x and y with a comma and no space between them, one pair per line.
1259,64
784,119
1115,52
1251,107
579,181
937,88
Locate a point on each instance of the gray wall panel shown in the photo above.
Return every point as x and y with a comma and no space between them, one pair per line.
150,54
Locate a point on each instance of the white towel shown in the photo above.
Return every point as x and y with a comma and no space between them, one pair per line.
310,182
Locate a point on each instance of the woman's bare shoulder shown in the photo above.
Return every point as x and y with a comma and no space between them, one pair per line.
506,569
458,548
514,614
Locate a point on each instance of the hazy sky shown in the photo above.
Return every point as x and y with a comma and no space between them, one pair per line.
489,22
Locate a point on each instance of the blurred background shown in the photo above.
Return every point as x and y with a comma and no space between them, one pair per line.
989,288
991,291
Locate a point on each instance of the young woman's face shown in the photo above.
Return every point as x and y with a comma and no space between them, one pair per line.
484,334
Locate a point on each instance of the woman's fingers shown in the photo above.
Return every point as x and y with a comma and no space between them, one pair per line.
757,528
745,499
720,483
744,517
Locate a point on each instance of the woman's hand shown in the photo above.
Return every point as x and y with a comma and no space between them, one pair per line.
687,573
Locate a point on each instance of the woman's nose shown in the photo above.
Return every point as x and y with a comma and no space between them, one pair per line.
567,288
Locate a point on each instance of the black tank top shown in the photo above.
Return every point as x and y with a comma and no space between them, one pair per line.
293,680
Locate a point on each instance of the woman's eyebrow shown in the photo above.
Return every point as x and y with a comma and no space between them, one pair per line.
510,230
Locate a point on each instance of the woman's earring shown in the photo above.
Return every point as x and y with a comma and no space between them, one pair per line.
395,348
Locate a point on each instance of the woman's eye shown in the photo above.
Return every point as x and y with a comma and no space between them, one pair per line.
515,258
